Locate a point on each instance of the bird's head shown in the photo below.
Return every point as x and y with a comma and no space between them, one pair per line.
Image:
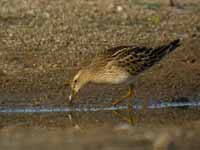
79,80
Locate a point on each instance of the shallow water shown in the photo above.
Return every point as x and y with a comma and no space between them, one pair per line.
94,127
82,108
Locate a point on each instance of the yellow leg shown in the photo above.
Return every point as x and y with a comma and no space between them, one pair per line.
128,95
129,119
130,110
123,117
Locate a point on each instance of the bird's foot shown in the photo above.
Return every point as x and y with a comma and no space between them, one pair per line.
128,119
115,102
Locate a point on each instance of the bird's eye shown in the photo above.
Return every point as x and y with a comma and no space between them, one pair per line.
75,81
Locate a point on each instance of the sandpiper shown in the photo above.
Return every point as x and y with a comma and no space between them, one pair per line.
120,65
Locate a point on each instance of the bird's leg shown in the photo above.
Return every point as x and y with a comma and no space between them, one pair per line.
130,110
129,119
128,95
123,117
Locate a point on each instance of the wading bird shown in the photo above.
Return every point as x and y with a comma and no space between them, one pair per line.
120,65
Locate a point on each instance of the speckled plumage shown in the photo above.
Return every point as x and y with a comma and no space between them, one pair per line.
121,64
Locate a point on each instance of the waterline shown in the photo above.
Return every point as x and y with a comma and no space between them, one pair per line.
82,108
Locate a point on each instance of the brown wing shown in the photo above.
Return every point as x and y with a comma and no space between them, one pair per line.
107,55
137,59
133,59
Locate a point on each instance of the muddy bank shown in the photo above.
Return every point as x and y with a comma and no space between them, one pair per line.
43,44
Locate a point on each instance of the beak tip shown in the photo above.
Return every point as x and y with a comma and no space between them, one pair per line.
70,98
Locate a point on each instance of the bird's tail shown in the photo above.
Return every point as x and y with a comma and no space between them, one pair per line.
158,53
165,49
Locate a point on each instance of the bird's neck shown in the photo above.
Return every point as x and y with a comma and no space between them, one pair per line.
90,75
86,75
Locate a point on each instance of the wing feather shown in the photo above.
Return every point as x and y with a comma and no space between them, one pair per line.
135,59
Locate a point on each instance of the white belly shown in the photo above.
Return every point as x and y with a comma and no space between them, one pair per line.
119,77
